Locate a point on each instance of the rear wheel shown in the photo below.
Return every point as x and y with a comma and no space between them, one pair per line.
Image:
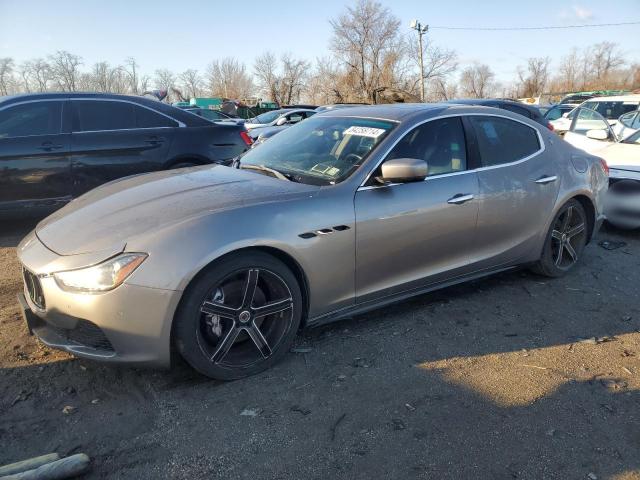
565,241
239,317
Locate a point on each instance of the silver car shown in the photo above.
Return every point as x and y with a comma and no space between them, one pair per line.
343,213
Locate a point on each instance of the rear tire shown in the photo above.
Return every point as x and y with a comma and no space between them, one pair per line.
565,241
239,317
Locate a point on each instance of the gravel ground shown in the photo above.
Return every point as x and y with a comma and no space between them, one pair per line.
514,376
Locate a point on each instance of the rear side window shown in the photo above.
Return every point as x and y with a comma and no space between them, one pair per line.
91,115
146,118
29,119
441,143
501,140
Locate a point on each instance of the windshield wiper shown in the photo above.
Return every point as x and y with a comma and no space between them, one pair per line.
262,168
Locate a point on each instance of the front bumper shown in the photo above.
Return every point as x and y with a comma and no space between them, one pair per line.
130,324
622,206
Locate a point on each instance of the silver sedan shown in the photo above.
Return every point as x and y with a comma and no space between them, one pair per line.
345,212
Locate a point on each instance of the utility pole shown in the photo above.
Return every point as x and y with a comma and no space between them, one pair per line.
421,29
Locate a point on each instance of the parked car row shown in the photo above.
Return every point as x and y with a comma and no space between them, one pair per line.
55,147
611,108
594,134
338,214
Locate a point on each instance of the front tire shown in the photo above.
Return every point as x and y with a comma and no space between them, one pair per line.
239,317
564,242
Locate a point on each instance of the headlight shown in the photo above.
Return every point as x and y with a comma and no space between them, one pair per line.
102,277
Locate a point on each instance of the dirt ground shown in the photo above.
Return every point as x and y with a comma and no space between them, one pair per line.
510,377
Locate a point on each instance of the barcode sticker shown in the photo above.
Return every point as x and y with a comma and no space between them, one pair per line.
364,131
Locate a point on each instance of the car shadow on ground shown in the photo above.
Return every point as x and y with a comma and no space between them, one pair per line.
513,376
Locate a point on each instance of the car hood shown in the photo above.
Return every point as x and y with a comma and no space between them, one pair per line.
105,218
623,156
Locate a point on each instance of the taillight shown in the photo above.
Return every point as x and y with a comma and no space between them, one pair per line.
605,167
550,126
245,136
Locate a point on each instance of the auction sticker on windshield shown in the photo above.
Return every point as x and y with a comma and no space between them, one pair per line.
364,131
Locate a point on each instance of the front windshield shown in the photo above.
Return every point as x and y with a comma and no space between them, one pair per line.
268,117
321,150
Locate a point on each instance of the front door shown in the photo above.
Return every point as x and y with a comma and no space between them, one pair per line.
34,156
414,234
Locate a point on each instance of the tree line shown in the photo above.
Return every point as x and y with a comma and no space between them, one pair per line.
371,60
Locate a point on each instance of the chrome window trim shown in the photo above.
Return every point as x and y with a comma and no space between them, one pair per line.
363,185
84,99
61,100
121,130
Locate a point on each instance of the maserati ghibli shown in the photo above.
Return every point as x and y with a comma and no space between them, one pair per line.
345,212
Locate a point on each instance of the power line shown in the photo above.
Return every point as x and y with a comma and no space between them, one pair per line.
557,27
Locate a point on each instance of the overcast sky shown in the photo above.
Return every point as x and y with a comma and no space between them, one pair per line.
190,33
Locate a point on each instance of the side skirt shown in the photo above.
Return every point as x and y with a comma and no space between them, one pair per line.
360,308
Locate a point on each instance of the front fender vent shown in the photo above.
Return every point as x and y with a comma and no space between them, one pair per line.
324,231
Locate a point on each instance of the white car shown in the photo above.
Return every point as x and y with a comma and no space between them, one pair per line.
279,117
627,124
591,132
610,108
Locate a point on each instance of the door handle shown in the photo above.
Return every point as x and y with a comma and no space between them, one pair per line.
545,180
154,140
48,146
460,198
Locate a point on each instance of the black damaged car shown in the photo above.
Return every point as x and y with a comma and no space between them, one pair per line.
56,146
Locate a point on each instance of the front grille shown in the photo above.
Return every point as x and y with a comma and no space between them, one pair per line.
85,333
33,287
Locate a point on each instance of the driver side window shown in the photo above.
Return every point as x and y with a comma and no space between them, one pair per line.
441,143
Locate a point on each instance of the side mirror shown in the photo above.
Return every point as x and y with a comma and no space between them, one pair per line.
565,115
281,121
404,170
598,134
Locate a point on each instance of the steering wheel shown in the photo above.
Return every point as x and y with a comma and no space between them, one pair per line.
357,158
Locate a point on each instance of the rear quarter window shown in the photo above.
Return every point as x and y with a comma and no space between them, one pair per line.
502,140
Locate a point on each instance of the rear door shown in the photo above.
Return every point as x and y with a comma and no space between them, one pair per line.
518,184
34,156
112,139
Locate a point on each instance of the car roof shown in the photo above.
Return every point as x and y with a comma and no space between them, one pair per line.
401,112
616,98
179,114
494,101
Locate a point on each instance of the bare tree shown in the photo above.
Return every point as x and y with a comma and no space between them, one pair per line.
477,81
191,82
439,64
164,79
605,59
266,71
6,75
363,38
228,78
131,72
41,74
65,69
145,80
534,80
568,77
293,78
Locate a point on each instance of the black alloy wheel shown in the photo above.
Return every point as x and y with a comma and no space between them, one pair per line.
247,315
